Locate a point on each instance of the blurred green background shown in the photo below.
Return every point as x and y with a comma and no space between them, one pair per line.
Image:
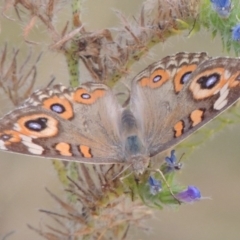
214,167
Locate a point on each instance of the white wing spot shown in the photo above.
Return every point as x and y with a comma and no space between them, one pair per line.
220,105
32,147
2,145
222,100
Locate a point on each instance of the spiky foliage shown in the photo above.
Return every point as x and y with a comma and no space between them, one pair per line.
103,202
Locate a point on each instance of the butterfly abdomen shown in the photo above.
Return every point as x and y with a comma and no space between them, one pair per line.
133,145
128,123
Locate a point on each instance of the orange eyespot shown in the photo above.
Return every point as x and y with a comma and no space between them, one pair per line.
9,137
37,126
182,76
156,79
208,83
81,95
61,106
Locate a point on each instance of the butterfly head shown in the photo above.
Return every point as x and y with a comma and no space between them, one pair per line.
139,163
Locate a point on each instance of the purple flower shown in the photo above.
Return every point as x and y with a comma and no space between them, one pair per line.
155,185
172,163
222,7
236,32
191,194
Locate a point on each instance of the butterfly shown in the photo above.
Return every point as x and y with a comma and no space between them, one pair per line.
169,100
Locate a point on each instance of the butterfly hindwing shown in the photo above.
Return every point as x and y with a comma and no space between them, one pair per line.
173,99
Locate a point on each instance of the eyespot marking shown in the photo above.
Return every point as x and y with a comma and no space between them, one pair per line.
82,96
183,76
61,106
197,116
85,96
37,126
156,79
9,136
208,83
178,129
57,108
85,151
64,149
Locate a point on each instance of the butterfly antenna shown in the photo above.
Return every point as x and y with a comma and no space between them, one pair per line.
169,188
126,102
51,81
181,157
122,172
7,235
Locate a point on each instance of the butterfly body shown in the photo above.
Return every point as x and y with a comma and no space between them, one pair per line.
169,100
134,149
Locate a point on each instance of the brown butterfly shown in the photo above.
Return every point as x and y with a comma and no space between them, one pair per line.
169,100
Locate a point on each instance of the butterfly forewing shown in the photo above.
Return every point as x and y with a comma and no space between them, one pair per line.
79,124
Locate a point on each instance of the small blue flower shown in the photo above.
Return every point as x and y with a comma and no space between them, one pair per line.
155,185
191,194
222,7
236,32
172,163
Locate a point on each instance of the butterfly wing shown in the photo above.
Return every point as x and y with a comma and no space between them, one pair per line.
73,124
176,96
